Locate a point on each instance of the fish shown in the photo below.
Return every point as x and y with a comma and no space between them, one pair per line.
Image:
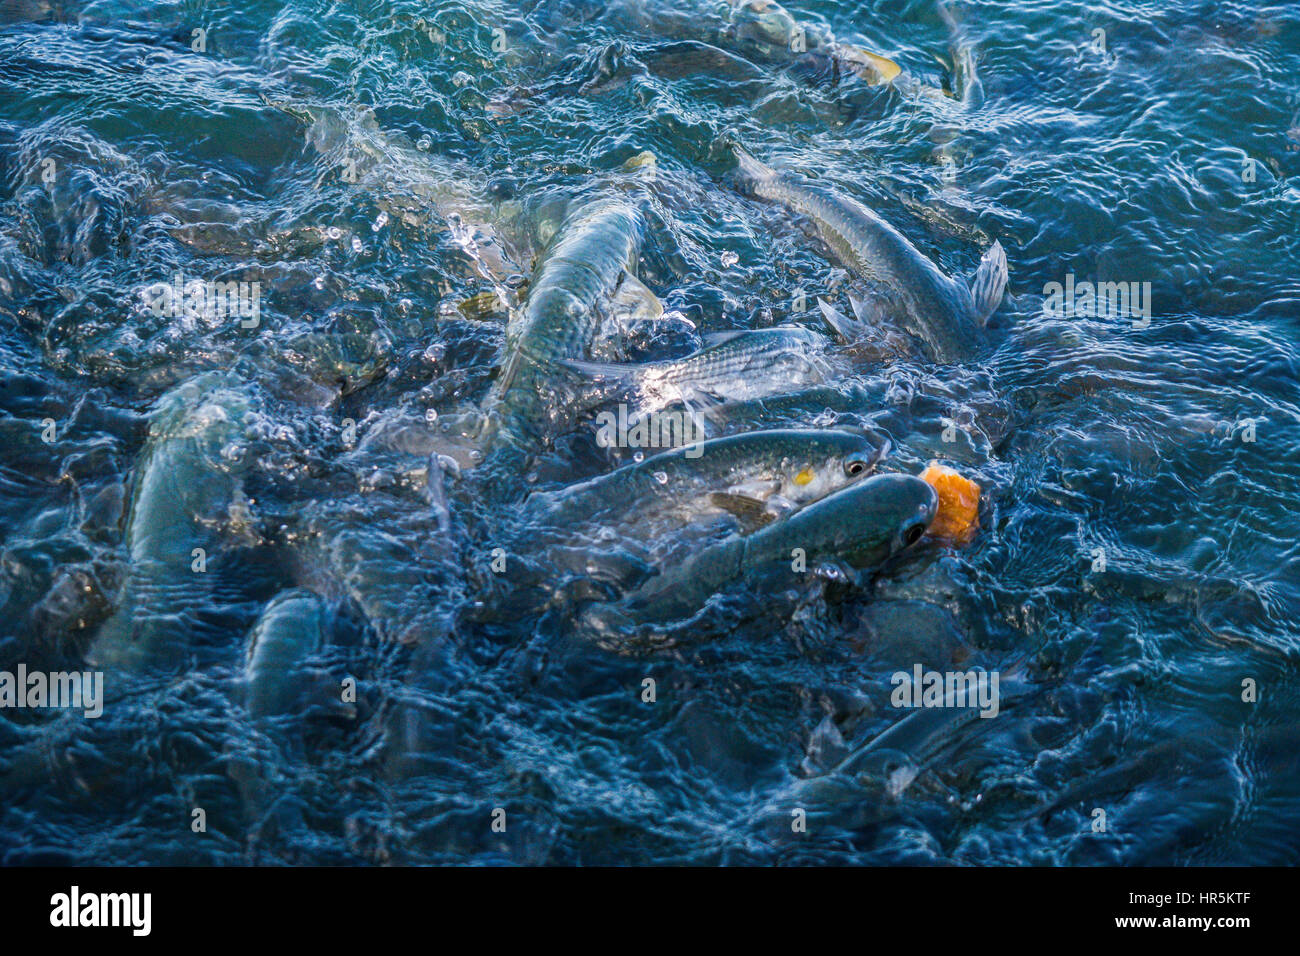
595,248
740,42
862,525
732,366
868,782
945,314
279,678
188,485
766,29
752,475
407,181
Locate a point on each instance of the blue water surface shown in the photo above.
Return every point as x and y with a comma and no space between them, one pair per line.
1135,580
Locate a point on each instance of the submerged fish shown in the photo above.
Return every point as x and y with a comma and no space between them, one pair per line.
752,475
279,677
862,525
865,786
188,485
738,41
766,29
946,314
733,366
407,181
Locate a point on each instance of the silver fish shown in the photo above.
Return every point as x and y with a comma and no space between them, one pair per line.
945,314
766,29
188,483
752,475
585,264
406,181
733,366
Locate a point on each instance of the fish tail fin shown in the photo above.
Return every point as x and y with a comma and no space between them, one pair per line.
847,329
989,282
611,380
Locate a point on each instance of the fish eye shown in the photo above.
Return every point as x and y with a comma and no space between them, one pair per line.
855,466
913,534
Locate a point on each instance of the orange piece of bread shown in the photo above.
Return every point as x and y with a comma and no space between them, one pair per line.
958,516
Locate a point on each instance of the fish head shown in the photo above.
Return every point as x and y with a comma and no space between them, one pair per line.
863,525
831,460
885,515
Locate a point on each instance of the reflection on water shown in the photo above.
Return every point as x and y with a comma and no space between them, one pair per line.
263,448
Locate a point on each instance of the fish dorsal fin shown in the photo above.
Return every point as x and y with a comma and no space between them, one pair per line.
636,300
750,512
839,323
872,309
870,312
989,282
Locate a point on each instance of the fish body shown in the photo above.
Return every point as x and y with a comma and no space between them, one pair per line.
579,275
735,366
794,466
188,485
945,314
863,525
278,679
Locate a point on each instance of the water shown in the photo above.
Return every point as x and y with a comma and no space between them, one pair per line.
1137,558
